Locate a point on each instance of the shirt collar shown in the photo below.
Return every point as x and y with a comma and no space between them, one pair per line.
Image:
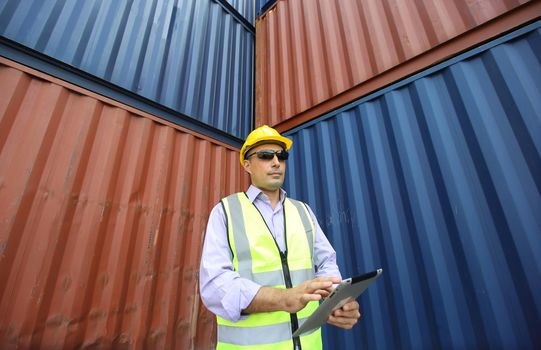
253,192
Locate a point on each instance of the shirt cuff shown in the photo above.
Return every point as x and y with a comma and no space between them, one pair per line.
247,291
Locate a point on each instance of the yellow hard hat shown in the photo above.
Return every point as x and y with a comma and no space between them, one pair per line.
263,133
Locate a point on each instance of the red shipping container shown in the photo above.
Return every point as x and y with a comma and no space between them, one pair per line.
315,56
102,215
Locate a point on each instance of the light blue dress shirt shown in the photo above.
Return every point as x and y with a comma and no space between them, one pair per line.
223,291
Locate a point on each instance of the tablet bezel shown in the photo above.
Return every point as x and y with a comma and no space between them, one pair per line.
348,288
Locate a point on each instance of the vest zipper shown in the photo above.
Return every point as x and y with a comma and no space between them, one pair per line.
294,318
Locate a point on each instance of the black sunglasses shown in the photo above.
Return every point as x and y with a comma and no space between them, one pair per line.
268,154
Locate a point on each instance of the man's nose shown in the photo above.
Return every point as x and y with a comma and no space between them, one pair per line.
275,161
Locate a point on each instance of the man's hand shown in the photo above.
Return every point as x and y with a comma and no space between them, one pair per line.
291,300
345,317
312,290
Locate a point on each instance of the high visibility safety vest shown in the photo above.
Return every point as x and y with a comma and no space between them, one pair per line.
256,256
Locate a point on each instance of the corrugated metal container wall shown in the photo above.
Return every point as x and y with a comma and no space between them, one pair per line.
245,7
308,52
191,56
438,181
102,212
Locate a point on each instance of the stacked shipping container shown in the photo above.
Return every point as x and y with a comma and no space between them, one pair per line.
245,8
429,170
438,181
104,198
190,56
434,178
103,210
313,56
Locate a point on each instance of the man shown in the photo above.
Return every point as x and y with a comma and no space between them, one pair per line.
265,262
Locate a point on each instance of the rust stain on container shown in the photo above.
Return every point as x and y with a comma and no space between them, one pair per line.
312,52
102,215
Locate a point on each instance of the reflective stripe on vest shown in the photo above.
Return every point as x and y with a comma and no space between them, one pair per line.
256,256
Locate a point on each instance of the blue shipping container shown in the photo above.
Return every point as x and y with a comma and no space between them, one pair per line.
245,7
437,180
191,56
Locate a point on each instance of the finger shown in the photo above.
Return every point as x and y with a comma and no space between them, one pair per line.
346,323
333,279
323,292
341,321
315,285
305,298
325,283
350,306
347,314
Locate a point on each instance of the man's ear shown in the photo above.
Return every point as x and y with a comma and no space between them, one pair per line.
246,166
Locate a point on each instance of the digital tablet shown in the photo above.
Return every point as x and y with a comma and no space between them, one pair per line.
346,291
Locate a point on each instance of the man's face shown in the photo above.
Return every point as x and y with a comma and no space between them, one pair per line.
266,174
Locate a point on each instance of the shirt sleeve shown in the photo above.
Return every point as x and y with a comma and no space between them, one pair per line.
324,253
223,291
